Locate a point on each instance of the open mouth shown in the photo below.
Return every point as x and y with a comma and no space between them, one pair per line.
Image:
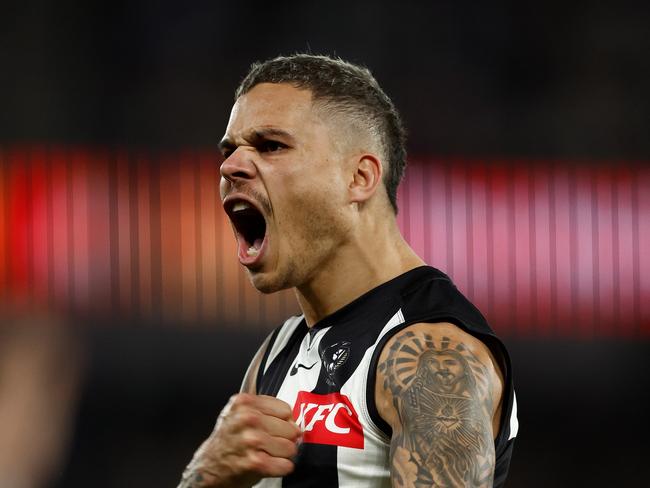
250,227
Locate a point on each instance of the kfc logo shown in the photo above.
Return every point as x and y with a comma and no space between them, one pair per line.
328,419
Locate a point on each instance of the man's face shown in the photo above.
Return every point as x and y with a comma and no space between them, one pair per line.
445,369
282,186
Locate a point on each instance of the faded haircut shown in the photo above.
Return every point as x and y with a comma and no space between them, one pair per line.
346,89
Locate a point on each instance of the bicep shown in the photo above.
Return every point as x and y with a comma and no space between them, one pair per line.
439,390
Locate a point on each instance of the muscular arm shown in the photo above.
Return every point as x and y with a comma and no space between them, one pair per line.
439,389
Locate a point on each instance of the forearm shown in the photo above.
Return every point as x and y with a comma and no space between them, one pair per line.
196,476
193,479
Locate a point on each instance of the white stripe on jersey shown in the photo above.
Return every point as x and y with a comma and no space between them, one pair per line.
514,421
363,468
282,338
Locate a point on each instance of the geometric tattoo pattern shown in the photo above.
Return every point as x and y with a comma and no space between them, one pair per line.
441,394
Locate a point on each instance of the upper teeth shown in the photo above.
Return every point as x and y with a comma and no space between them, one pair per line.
240,206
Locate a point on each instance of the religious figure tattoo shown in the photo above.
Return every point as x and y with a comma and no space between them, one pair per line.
442,396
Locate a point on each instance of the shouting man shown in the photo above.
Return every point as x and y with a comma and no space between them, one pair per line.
390,377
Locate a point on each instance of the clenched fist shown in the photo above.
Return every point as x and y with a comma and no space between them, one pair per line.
255,437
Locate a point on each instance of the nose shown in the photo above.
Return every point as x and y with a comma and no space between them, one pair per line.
239,165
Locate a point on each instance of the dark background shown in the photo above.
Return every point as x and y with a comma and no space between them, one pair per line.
543,80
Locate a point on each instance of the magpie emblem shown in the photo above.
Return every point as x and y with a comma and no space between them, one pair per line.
333,357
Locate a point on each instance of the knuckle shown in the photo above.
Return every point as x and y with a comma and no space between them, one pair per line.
253,440
248,419
286,411
283,407
290,466
295,429
255,462
292,448
240,400
280,467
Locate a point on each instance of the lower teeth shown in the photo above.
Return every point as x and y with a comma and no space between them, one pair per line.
252,251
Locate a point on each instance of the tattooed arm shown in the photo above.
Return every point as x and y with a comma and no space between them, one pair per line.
439,389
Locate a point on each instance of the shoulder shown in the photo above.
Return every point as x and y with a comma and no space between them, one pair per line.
271,346
249,384
441,359
439,389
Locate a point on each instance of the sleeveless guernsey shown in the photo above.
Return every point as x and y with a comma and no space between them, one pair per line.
327,374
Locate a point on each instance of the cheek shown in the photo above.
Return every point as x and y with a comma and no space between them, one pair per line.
308,208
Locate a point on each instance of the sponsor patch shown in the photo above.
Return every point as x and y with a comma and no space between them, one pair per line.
328,419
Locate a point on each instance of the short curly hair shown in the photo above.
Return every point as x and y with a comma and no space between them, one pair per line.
347,89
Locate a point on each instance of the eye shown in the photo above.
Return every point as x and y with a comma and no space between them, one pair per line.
271,146
227,150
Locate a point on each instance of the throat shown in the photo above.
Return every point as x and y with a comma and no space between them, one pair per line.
332,287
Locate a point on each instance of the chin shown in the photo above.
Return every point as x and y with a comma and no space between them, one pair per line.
265,283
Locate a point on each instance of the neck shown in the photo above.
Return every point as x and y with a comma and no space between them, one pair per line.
360,265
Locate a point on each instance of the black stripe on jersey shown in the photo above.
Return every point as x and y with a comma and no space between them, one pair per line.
316,464
320,470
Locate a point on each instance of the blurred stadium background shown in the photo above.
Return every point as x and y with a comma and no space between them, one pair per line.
529,183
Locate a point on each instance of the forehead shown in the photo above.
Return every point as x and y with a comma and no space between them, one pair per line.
271,105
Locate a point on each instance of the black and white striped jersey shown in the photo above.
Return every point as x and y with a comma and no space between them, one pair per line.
327,373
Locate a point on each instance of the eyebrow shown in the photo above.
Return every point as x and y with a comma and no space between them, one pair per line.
256,136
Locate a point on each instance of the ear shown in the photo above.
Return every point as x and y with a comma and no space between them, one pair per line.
366,178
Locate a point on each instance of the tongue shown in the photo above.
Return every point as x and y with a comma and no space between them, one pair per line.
257,244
